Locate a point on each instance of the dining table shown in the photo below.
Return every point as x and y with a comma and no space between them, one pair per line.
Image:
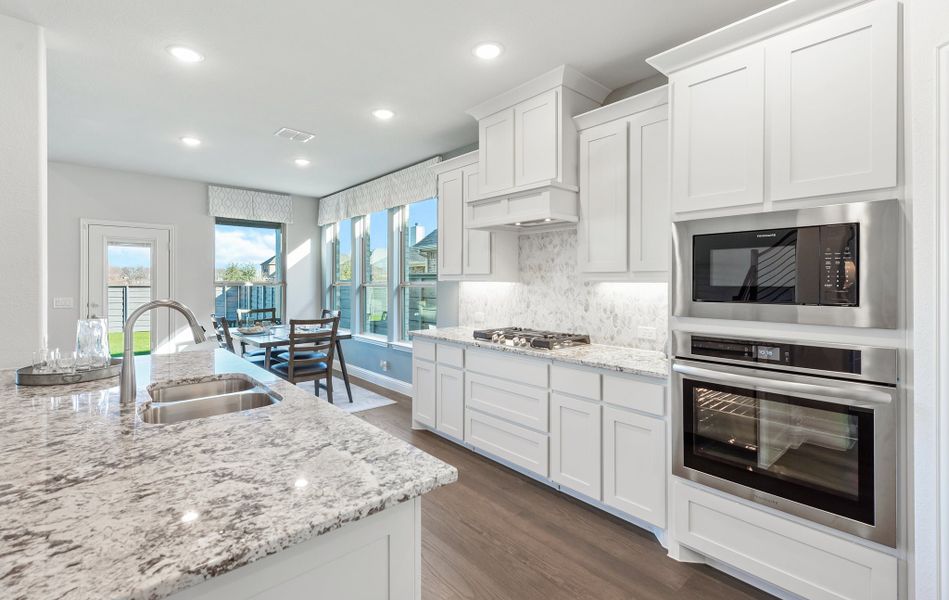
279,335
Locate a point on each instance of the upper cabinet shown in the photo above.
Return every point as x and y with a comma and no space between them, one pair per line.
469,254
623,232
797,102
528,152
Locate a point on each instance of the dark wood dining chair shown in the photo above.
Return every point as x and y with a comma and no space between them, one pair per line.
312,349
222,331
255,314
327,313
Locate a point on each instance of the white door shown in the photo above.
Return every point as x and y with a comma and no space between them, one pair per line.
126,266
477,251
450,401
575,444
718,132
496,151
603,230
451,204
832,99
649,210
535,139
634,464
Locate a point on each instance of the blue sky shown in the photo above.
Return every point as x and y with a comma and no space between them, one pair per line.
130,256
235,244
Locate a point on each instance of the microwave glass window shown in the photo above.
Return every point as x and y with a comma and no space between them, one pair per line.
802,449
751,266
770,267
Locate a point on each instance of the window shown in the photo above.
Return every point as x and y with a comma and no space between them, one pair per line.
417,291
248,267
341,297
375,274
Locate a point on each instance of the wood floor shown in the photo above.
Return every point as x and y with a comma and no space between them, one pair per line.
497,535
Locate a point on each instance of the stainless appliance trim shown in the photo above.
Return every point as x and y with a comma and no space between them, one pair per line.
884,443
878,269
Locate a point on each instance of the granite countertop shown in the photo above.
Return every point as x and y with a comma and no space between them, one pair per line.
648,363
92,498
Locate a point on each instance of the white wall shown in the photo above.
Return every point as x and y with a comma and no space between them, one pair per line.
22,190
77,192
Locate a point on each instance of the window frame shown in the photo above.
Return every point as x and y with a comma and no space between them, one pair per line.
336,285
281,261
404,283
364,271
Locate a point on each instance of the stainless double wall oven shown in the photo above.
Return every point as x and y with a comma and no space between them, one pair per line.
806,427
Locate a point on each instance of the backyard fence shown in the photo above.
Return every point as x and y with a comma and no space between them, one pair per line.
230,297
123,301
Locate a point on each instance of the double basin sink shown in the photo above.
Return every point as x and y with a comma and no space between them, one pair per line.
175,402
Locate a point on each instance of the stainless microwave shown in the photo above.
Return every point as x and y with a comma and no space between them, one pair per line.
832,265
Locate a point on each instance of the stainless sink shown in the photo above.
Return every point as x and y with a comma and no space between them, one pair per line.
173,403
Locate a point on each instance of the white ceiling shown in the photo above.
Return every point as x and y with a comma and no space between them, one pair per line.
117,99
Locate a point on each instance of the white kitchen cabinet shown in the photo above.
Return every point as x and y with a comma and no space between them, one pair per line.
450,401
575,444
469,254
526,448
624,189
423,392
496,151
718,132
634,464
832,89
535,139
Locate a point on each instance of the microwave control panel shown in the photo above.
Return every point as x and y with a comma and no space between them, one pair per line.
839,280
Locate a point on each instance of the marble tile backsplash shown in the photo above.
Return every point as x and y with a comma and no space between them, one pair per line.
551,295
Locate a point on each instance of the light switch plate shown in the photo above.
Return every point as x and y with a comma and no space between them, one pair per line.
62,302
646,333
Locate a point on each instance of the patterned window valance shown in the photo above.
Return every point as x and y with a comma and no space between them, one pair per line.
395,189
249,205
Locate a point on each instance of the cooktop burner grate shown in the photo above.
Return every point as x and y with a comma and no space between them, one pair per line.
531,338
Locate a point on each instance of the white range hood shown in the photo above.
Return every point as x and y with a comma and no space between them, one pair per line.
528,154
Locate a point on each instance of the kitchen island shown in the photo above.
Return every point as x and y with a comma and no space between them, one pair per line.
273,501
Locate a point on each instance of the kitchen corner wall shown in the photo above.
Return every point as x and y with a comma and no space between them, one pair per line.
551,295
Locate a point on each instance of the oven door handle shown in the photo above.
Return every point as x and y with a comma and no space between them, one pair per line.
850,393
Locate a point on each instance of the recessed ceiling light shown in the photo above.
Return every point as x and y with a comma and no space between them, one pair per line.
185,54
191,142
383,114
488,50
301,162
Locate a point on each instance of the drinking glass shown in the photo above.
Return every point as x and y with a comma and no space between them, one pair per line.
52,361
40,360
67,362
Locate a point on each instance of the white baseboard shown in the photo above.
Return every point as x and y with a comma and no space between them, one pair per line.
390,383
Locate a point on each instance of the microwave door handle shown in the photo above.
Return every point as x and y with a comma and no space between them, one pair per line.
848,394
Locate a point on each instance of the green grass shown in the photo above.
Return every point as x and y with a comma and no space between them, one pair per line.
141,342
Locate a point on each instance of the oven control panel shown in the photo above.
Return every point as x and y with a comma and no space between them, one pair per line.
822,358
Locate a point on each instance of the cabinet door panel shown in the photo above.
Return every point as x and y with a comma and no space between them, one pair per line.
603,229
451,206
423,392
832,99
450,401
496,152
634,464
477,250
535,139
649,211
718,132
575,444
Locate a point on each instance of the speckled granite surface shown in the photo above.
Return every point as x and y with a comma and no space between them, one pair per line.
615,358
92,499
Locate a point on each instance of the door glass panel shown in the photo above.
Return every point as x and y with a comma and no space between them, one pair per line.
129,269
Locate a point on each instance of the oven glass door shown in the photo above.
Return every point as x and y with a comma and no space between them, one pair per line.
751,266
817,453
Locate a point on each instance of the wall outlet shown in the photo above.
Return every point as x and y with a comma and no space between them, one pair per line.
62,302
646,333
384,365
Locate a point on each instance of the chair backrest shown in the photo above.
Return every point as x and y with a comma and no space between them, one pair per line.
329,314
256,314
315,335
223,332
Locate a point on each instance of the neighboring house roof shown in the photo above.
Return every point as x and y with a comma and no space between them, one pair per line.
429,242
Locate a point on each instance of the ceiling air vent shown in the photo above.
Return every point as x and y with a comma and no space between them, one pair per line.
294,135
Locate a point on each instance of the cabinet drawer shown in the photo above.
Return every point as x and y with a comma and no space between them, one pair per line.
522,404
523,447
423,349
824,566
578,382
507,366
452,356
637,395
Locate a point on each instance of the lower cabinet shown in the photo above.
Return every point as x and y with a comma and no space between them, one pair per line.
450,401
523,447
575,444
423,392
634,464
